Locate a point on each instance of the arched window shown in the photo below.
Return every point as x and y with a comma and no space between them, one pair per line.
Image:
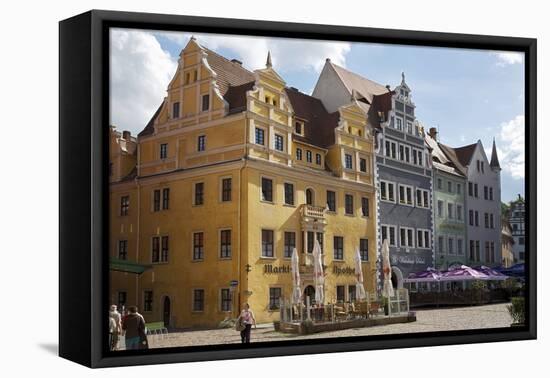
310,197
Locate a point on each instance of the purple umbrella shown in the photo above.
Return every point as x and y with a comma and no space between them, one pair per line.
492,274
463,273
430,275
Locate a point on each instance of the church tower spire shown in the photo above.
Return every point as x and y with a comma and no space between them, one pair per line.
494,156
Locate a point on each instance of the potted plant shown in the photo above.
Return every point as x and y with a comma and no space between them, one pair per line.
306,327
517,311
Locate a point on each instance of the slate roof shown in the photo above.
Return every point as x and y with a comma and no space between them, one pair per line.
357,83
149,128
464,154
444,157
494,157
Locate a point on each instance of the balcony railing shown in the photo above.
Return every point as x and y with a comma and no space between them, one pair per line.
311,211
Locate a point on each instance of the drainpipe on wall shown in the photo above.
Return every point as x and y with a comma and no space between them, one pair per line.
239,275
138,228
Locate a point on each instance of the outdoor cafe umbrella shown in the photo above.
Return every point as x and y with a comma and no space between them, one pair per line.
296,291
318,277
463,273
359,276
492,274
387,289
517,270
429,275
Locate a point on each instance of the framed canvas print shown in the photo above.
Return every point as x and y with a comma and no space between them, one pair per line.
236,188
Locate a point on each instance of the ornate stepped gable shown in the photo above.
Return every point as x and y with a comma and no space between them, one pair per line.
232,81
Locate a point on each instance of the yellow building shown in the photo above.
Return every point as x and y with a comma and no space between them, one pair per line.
233,171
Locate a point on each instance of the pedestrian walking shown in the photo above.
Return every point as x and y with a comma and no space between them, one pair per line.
246,318
116,328
112,328
134,327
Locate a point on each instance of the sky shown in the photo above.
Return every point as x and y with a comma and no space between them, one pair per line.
468,95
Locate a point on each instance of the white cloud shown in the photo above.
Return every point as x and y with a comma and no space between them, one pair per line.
512,147
141,69
287,54
140,73
508,58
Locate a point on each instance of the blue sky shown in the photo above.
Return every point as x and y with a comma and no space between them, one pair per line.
467,94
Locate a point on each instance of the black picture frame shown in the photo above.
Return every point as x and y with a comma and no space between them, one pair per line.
83,141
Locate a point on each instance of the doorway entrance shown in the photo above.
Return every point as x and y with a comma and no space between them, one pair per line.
166,312
309,291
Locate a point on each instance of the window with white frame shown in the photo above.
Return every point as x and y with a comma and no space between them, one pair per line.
450,211
205,102
409,127
225,244
460,246
422,198
348,161
260,136
406,237
387,191
407,154
440,208
405,195
423,238
399,123
201,143
363,165
267,189
390,149
459,212
451,245
441,244
389,233
279,142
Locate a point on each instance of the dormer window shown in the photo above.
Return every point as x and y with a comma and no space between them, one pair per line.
299,128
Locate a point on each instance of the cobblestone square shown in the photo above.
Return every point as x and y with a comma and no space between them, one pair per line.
428,320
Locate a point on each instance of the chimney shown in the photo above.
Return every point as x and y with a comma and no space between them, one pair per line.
237,61
294,89
126,135
433,133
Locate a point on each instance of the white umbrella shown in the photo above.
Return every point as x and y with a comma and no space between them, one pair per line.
359,276
387,289
296,291
318,276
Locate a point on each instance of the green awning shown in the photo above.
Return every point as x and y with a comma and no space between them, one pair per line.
127,266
